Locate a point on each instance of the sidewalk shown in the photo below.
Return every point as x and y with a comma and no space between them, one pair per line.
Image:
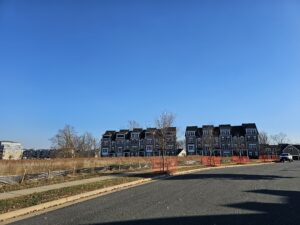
13,194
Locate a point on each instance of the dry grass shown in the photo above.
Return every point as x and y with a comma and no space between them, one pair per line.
19,167
42,197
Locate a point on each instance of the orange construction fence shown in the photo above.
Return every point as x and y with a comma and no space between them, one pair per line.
164,164
269,158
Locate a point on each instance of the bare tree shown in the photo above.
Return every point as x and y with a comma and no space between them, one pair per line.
133,124
65,138
279,138
180,144
163,123
70,144
263,138
87,142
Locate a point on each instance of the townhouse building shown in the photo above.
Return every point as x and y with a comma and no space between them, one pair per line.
10,150
108,143
137,136
122,143
139,142
223,140
294,150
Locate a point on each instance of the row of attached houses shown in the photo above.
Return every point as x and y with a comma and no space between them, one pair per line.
139,142
223,140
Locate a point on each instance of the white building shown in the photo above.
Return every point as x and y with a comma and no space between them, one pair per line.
10,150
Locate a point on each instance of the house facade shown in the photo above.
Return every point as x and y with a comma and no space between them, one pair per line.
10,150
223,140
294,150
108,143
139,142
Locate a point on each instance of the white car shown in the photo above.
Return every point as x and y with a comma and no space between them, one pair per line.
286,157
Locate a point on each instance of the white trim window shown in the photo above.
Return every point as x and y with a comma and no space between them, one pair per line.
149,148
104,151
191,148
190,133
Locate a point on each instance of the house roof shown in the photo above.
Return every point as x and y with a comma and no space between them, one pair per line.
225,126
216,131
191,128
283,146
8,141
249,125
109,132
124,131
151,129
137,130
199,132
238,131
171,129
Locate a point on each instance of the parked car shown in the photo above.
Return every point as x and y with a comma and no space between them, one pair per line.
286,157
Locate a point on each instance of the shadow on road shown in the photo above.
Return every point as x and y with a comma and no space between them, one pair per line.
228,177
265,213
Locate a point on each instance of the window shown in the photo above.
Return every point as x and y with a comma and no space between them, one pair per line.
104,150
191,139
190,133
134,135
149,148
191,148
149,141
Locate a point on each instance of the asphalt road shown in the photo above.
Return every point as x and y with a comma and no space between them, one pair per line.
268,194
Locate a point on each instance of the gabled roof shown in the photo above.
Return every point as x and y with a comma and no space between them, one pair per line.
283,146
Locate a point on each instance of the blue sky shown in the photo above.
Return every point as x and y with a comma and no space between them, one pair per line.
97,64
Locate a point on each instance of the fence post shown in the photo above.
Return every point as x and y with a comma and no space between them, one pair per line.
24,174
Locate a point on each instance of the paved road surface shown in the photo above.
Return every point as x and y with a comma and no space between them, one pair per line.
268,194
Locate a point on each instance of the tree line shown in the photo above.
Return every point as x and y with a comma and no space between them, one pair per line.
276,139
69,143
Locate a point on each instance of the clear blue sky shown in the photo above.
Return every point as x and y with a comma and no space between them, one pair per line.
97,64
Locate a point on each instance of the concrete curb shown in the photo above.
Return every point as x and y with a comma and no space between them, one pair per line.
218,167
104,191
21,212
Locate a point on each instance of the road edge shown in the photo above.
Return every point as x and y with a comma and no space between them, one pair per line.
61,203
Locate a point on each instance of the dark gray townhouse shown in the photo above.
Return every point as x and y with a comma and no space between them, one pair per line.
108,143
139,142
170,141
223,140
122,143
137,136
151,142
